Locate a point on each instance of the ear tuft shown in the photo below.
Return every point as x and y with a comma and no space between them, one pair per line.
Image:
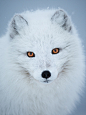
17,25
61,18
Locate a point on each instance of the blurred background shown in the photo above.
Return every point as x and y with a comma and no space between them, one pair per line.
75,8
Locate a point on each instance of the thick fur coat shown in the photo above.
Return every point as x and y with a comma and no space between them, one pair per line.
24,89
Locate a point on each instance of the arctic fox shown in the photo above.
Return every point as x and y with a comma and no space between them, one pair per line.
41,64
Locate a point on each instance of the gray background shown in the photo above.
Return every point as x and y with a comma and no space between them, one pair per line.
75,8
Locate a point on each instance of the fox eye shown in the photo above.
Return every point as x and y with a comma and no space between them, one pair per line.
55,51
30,54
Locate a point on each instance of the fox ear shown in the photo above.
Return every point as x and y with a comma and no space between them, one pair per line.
61,18
17,25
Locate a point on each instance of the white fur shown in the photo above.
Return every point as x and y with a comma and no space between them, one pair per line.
22,89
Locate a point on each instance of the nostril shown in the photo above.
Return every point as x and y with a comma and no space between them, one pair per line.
46,74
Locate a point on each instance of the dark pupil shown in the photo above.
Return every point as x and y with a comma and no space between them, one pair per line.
30,53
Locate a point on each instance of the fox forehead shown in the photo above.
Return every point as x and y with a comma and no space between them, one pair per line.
42,42
42,39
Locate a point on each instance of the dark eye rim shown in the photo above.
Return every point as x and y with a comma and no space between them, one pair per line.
31,56
55,48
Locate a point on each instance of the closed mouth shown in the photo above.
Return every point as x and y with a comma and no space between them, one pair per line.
47,81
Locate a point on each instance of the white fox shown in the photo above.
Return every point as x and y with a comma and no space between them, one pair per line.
41,64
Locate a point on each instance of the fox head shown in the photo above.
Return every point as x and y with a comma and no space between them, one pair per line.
43,44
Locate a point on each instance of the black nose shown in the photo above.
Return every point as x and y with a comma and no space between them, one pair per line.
46,74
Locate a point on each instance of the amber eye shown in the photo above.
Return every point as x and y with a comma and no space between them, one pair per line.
30,54
55,51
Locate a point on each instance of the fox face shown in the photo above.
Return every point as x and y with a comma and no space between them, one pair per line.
41,47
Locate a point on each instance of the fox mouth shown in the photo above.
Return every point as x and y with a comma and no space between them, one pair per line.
47,81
